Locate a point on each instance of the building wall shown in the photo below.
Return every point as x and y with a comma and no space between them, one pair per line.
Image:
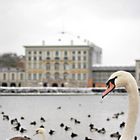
100,74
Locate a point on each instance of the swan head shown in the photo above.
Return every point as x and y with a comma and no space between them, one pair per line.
40,130
117,79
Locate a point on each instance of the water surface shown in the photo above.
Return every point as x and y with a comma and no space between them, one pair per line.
61,109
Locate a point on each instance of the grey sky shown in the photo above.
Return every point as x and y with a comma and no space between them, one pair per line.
113,25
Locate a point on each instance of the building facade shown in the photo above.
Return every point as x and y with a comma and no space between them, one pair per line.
63,66
100,74
12,77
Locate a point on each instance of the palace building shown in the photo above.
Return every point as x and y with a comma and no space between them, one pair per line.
63,66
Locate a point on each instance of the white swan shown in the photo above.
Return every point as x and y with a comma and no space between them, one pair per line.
125,79
19,138
41,131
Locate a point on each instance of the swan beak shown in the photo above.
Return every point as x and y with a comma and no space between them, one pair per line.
110,87
35,133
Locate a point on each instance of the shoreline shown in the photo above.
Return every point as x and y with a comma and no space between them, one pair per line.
59,94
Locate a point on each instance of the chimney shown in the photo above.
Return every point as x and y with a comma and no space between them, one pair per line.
71,42
43,42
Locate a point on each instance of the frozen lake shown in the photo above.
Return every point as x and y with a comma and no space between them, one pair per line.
64,109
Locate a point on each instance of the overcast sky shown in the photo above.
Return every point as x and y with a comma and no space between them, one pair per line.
113,25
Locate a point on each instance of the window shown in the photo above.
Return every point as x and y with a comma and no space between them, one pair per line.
34,65
84,65
65,58
79,65
40,66
4,76
73,66
29,76
40,76
34,76
65,53
84,76
56,66
13,76
65,75
79,52
35,58
29,52
85,58
73,76
79,76
66,66
48,53
48,75
29,66
21,76
56,75
56,53
29,58
40,58
56,58
79,58
85,52
48,67
73,58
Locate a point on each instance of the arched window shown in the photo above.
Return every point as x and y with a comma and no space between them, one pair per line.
66,66
56,75
13,85
73,66
54,85
4,76
40,76
57,53
48,67
84,76
79,76
21,76
13,76
56,66
4,85
48,75
29,76
34,76
65,75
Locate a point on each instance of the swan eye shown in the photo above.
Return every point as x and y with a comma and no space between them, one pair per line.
111,80
37,131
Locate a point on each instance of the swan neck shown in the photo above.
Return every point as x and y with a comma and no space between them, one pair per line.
133,107
43,137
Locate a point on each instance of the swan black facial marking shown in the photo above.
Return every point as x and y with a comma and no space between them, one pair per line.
37,131
111,80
